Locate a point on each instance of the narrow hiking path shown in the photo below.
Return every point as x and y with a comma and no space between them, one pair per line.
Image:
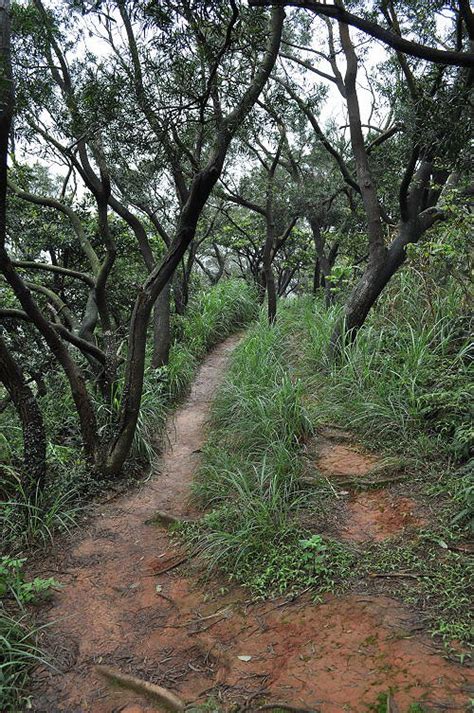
202,640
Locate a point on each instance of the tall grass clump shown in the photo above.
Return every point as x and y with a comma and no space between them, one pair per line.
19,653
215,314
406,383
250,475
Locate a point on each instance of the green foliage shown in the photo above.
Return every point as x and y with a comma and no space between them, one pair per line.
18,650
282,381
27,518
250,475
12,581
405,382
33,517
214,314
460,486
18,654
443,582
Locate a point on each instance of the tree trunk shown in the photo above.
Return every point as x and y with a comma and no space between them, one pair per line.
161,329
323,266
29,413
268,270
179,303
271,293
374,279
316,276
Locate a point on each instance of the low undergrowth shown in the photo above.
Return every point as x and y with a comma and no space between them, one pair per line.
403,387
18,648
250,478
427,574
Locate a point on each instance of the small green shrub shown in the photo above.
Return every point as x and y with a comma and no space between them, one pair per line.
19,653
18,649
12,582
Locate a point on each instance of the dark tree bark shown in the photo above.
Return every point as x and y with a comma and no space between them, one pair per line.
31,419
324,262
161,329
178,296
73,374
418,210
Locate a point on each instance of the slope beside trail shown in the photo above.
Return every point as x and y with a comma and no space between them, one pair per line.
203,640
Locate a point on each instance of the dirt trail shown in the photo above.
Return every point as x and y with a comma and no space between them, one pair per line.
172,630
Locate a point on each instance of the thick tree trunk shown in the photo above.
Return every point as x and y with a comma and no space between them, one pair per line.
316,276
178,296
29,413
271,293
367,290
161,329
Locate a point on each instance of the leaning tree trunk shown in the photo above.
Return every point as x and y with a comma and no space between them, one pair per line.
161,329
29,413
367,290
179,303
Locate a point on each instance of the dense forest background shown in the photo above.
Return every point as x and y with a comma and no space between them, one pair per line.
180,170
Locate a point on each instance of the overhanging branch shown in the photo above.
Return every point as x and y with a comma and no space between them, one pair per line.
414,49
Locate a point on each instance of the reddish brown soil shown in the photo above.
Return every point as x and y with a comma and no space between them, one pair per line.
185,635
377,515
335,459
369,516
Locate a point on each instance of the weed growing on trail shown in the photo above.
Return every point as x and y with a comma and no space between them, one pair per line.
384,704
441,587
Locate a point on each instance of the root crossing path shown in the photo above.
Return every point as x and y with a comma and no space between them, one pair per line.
203,641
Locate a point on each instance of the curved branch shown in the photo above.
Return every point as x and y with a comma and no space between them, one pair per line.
432,54
31,265
81,344
49,202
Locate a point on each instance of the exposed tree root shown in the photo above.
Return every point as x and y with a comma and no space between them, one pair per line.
284,707
167,700
165,519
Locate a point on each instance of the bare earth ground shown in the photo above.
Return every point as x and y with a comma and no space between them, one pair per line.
116,608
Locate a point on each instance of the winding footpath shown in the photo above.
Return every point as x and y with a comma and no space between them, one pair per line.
200,639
